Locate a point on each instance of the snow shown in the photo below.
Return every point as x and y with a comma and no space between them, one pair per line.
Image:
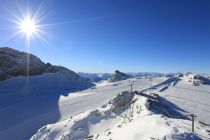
191,98
48,83
127,116
196,79
24,117
59,114
26,104
194,99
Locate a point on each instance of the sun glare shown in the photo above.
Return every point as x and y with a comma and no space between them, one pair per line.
29,23
28,27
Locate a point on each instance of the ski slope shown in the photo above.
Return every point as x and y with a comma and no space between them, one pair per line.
23,119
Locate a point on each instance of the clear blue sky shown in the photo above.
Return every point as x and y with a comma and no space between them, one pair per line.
104,35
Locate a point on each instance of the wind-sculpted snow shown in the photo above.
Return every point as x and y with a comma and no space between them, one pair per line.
126,117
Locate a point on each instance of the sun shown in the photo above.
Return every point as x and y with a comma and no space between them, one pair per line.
28,27
29,23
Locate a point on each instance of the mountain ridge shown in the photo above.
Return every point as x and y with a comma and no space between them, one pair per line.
15,63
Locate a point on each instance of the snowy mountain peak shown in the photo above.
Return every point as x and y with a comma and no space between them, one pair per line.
118,76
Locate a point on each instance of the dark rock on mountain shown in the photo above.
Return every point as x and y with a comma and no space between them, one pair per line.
14,63
118,76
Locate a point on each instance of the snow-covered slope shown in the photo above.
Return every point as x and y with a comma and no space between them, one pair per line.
194,99
127,117
16,83
23,119
118,76
26,95
18,89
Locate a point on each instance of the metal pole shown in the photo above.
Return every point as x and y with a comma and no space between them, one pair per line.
131,87
193,119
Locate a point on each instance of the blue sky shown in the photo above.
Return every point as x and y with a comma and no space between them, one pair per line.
104,35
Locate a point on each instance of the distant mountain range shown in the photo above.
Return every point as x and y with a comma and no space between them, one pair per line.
95,77
144,74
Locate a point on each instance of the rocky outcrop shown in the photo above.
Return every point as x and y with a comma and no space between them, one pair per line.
118,76
196,79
